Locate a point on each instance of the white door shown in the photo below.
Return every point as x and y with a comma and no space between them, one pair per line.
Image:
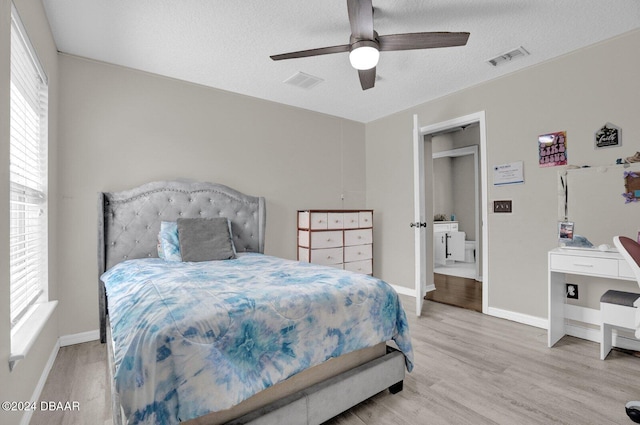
423,228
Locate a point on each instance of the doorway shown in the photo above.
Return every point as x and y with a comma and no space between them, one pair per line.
423,203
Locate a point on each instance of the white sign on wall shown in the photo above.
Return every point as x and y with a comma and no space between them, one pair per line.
511,173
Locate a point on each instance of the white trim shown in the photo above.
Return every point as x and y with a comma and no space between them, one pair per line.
525,319
591,334
79,338
403,290
26,417
430,288
27,330
420,238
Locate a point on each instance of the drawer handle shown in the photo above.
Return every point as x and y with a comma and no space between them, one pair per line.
359,253
329,240
359,237
583,265
329,257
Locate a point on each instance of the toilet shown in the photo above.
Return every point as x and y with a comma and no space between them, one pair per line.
469,251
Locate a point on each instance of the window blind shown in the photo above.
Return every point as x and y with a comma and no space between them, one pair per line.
27,174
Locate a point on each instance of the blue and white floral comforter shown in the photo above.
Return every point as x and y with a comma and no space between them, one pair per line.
193,338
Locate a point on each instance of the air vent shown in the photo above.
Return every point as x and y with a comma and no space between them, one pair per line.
302,80
520,52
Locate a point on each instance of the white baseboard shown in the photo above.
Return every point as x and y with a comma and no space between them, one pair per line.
26,417
526,319
591,334
403,290
79,338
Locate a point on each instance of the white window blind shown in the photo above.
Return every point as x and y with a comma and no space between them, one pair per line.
28,173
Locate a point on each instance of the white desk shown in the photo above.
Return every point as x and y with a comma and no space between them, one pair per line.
562,261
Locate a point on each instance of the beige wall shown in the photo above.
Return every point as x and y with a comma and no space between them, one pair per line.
120,128
578,93
19,385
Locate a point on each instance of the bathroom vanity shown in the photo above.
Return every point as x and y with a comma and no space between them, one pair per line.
448,242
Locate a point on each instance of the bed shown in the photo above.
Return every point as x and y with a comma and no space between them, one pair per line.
249,339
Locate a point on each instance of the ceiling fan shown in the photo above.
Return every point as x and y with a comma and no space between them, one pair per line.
365,44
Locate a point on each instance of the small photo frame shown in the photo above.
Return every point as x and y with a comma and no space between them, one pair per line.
565,231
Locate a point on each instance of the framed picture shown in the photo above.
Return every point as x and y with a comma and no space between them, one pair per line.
609,136
631,186
552,149
565,230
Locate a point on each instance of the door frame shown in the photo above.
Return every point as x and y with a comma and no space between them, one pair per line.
424,269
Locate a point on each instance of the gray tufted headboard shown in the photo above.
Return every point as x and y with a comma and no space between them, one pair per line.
129,221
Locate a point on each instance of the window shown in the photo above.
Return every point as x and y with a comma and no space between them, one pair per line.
28,174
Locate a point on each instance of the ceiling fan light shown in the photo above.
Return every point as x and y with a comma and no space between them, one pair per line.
364,57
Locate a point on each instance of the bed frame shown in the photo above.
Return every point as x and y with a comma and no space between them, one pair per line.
128,225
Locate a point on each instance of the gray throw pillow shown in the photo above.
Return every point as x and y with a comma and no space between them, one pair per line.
205,239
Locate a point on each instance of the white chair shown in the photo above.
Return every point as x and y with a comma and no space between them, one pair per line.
620,309
630,250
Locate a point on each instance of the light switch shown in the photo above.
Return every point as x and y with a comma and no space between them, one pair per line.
502,206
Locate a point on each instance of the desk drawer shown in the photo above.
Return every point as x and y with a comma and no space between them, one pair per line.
585,265
624,270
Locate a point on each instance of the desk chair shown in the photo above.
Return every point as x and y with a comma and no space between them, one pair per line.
630,250
620,309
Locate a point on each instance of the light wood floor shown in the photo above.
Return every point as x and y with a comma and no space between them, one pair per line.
469,369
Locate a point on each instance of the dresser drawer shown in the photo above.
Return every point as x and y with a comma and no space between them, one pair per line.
365,219
358,253
303,254
327,256
365,267
328,239
581,265
351,220
312,220
335,220
358,237
303,238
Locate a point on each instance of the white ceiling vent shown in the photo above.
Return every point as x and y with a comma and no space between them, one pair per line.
520,52
302,80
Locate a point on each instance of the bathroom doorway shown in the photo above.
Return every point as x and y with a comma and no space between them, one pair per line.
475,240
455,176
456,202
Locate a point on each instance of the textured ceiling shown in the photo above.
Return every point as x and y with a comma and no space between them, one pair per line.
227,44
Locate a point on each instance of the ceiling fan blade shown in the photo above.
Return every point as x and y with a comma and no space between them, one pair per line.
312,52
361,19
422,40
367,78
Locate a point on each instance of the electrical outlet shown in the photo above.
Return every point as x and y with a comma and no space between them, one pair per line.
502,206
572,291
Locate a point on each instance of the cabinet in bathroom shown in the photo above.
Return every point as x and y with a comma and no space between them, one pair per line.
448,242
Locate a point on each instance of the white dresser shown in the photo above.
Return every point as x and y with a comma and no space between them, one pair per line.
337,238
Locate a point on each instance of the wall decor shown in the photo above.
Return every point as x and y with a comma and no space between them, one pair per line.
552,149
512,173
565,230
609,136
632,187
